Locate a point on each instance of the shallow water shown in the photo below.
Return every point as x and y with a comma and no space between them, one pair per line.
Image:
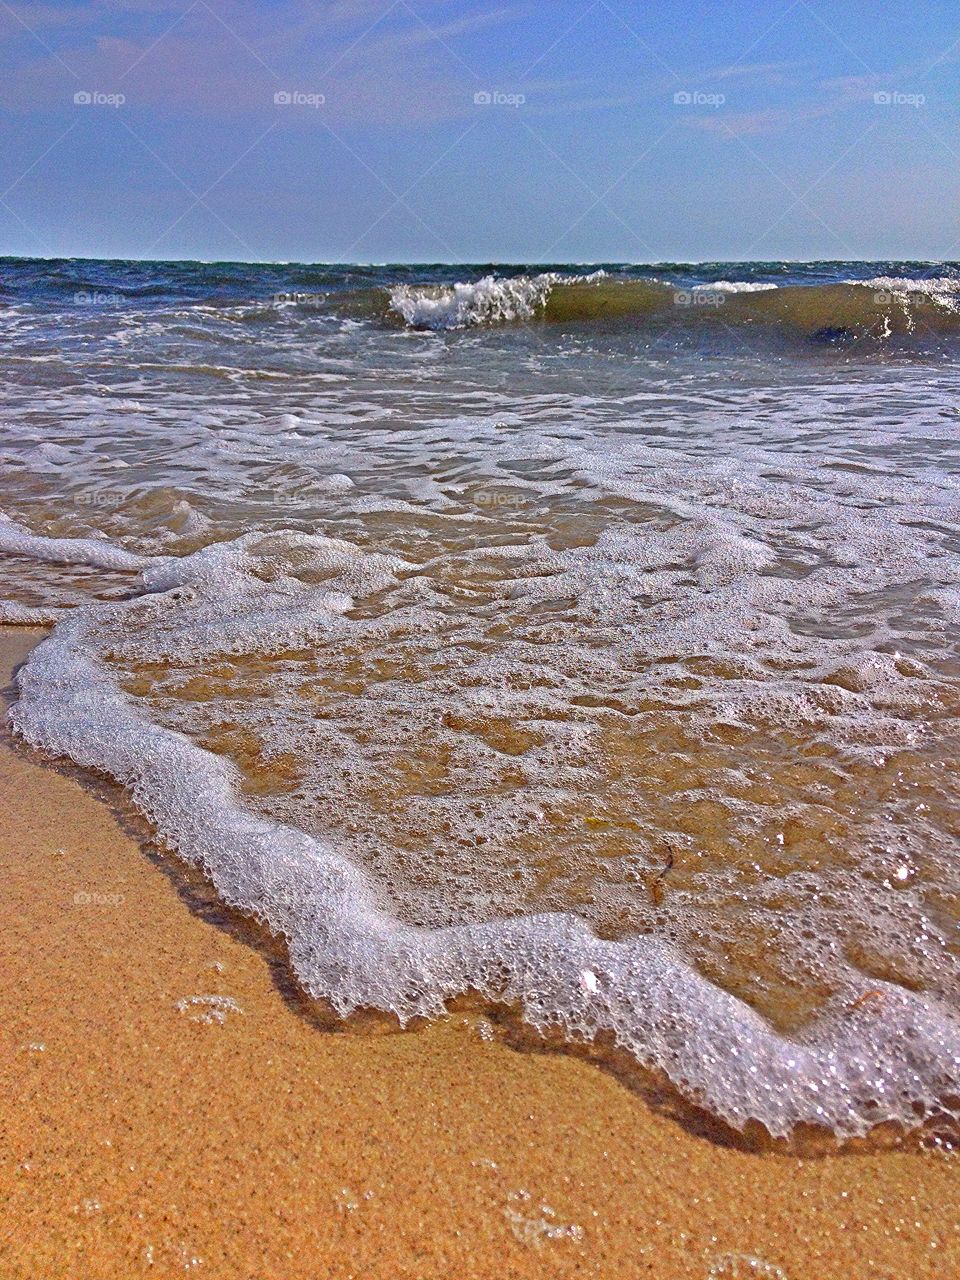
583,644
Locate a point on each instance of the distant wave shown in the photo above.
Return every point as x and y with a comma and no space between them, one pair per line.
876,309
491,300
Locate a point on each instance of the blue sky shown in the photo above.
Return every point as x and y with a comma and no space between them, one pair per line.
615,131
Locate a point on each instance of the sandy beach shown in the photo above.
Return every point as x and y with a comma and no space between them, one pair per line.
171,1106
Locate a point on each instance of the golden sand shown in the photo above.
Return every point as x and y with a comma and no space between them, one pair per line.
146,1132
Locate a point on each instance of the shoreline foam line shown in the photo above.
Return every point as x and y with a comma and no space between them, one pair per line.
891,1060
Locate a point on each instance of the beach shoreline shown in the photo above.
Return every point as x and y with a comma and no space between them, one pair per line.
169,1108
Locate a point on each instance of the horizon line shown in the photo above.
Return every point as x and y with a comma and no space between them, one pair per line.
463,262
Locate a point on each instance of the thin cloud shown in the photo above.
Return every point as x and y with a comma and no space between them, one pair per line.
768,72
754,123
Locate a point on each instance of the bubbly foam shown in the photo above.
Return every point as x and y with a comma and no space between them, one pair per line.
13,613
98,552
849,1070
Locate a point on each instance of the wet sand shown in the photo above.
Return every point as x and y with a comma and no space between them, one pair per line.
169,1106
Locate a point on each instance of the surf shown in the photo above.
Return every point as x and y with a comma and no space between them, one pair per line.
875,311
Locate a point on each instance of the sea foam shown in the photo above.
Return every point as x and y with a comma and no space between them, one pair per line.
850,1070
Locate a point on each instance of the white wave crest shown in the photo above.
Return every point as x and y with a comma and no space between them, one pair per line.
939,291
737,286
488,301
492,300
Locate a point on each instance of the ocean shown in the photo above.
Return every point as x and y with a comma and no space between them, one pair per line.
582,638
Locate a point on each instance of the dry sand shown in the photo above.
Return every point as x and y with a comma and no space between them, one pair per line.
142,1136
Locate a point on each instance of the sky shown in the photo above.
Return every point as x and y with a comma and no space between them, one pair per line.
457,131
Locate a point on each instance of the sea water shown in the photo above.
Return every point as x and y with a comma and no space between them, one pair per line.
585,637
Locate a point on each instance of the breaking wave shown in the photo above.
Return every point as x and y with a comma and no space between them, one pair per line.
876,309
